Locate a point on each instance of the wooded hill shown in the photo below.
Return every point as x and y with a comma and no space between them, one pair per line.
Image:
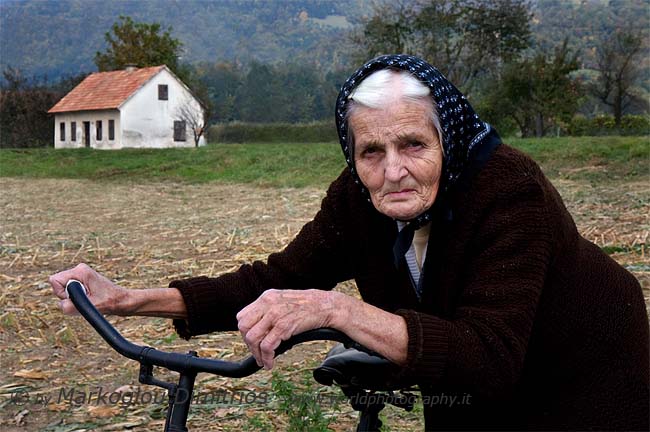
57,38
61,37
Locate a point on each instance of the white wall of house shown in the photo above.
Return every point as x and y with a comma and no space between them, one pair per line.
149,122
92,118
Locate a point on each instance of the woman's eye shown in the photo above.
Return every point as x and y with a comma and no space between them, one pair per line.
369,151
415,144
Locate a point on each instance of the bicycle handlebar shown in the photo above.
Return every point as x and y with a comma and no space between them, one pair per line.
186,362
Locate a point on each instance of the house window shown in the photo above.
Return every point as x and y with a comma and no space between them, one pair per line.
62,131
179,130
163,92
73,131
111,130
98,128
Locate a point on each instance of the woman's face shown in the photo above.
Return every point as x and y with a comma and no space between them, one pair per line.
398,156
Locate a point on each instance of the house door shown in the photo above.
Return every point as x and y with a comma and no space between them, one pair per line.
87,134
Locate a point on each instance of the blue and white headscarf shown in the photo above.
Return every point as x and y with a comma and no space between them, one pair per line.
467,141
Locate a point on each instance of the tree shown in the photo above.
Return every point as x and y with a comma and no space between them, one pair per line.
194,116
141,44
388,31
24,103
618,71
222,82
261,95
146,45
463,38
305,98
536,93
286,92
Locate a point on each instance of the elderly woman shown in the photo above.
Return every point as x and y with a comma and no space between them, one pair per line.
473,276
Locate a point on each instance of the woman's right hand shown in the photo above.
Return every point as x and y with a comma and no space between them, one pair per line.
108,297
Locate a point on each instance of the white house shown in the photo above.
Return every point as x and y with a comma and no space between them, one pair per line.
147,107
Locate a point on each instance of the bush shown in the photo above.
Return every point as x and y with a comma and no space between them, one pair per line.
605,125
323,131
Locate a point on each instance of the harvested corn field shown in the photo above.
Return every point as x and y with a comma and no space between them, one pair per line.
145,235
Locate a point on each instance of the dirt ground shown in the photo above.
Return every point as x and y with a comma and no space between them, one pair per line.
145,235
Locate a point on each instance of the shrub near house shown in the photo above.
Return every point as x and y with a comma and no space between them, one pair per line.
605,125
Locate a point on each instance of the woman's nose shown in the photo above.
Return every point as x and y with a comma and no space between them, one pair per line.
395,169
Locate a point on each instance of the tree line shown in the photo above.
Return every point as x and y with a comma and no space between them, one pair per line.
485,47
24,102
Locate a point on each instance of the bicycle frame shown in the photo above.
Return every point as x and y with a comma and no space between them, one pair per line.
187,365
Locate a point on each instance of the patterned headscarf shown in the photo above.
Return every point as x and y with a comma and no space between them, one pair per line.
467,141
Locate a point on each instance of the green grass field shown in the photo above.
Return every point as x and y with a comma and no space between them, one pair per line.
299,165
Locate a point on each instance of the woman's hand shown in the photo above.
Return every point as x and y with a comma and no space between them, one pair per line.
107,297
279,314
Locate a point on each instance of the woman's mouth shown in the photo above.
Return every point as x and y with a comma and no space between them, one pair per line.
401,193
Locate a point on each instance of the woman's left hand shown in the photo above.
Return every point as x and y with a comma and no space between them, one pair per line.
279,314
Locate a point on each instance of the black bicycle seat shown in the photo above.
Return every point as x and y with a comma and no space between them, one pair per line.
349,367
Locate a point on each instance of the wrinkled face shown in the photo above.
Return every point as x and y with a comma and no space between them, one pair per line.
398,156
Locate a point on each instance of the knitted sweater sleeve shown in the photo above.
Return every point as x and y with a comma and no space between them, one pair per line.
315,258
482,347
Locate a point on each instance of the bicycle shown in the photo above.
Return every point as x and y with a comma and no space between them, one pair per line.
353,367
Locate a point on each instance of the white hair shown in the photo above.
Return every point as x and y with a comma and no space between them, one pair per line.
381,88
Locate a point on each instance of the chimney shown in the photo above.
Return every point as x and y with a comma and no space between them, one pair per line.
130,67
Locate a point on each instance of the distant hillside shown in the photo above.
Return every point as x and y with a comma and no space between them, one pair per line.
61,37
585,21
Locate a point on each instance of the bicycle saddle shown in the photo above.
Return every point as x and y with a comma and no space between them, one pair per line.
349,367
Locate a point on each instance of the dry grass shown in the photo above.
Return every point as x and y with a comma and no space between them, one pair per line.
145,236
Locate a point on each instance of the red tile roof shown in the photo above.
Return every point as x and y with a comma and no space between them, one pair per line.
105,90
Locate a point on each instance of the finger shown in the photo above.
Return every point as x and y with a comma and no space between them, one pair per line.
271,342
58,282
60,279
67,307
262,303
244,312
81,272
246,322
253,341
255,335
251,313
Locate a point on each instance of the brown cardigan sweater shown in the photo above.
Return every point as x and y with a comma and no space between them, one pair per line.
537,325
